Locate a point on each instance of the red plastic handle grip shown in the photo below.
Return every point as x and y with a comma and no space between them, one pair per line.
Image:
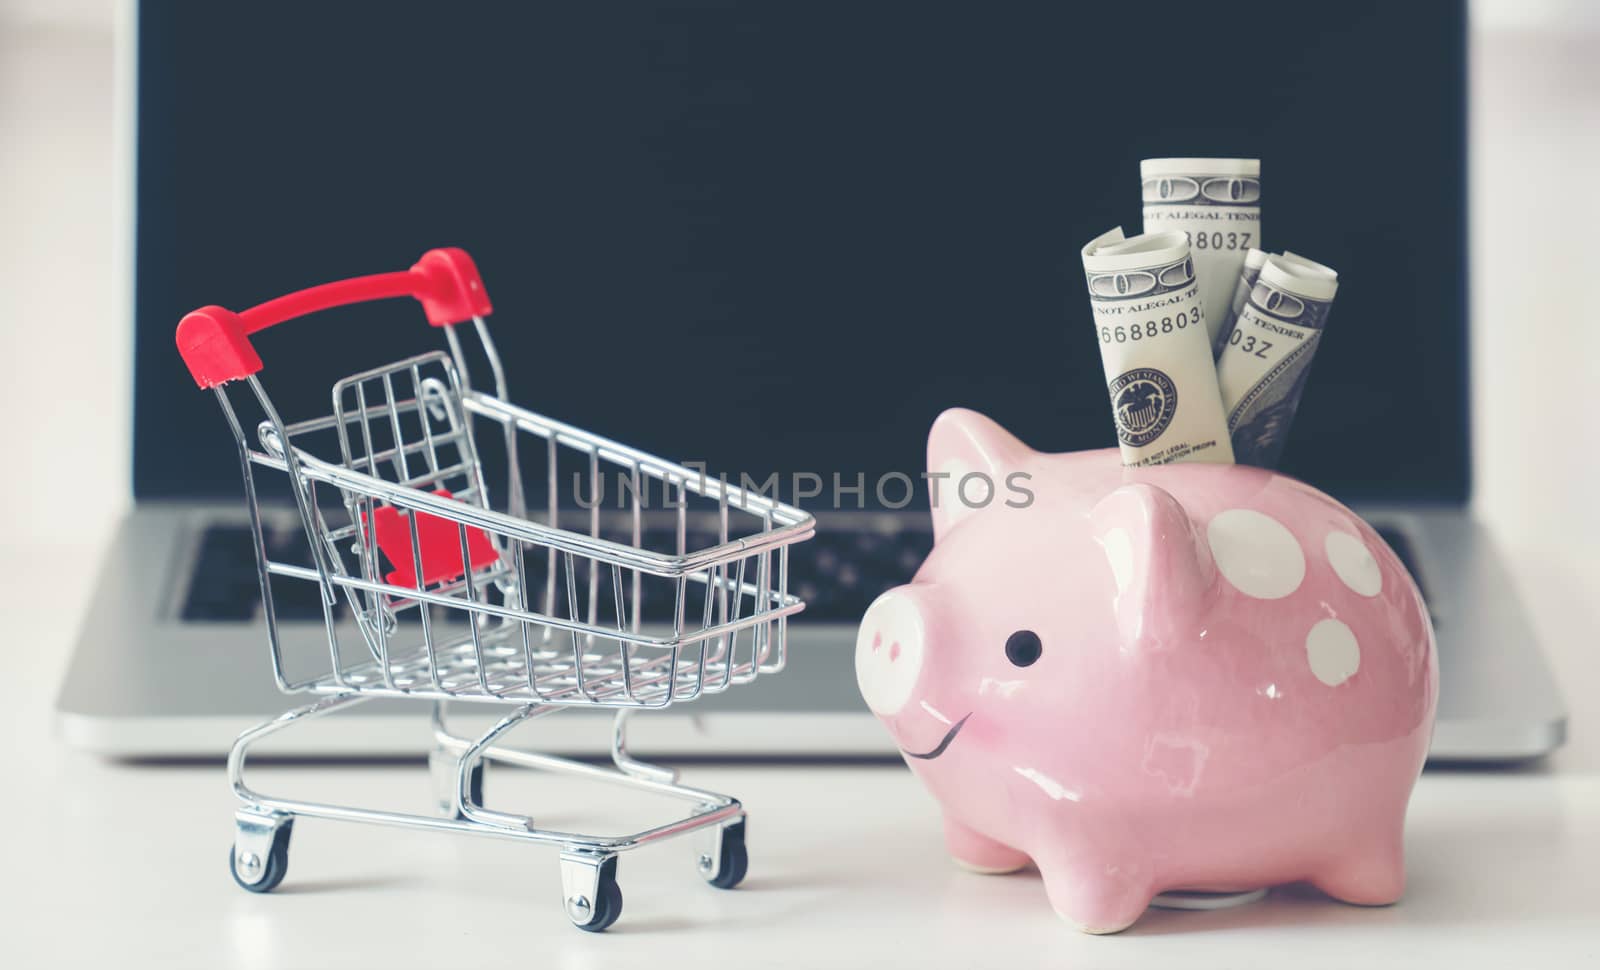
215,342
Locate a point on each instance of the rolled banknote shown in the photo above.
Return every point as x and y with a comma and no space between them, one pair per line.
1216,203
1267,357
1154,349
1254,259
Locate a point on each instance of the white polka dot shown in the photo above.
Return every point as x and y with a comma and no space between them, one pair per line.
1332,651
1119,550
1353,561
1256,553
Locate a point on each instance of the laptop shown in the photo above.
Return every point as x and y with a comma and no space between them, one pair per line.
778,240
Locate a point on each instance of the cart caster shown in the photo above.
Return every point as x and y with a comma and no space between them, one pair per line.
259,858
725,867
589,883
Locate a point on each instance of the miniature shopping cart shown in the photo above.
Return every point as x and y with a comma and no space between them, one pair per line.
430,590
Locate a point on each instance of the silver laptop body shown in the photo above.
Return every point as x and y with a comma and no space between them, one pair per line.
172,660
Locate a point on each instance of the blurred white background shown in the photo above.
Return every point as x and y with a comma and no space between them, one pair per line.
64,383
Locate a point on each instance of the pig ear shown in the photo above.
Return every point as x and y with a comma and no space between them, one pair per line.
1161,564
963,442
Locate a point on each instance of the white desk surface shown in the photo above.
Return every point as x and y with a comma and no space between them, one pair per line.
113,865
110,864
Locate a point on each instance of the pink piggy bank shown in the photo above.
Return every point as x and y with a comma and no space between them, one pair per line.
1186,677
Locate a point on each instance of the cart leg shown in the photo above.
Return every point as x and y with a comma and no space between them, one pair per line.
241,746
589,889
444,765
472,758
724,860
444,769
626,762
260,856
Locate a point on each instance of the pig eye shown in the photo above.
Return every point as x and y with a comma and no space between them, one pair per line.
1023,647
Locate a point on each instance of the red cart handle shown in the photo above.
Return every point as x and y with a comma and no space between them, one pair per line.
215,342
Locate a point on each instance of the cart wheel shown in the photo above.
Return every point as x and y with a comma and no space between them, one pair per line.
272,869
735,858
597,915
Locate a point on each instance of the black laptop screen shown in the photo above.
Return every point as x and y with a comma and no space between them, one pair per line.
783,237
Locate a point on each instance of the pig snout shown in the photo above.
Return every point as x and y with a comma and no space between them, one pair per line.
890,649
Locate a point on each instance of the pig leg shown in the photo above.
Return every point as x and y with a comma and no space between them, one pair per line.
979,853
1371,874
1094,896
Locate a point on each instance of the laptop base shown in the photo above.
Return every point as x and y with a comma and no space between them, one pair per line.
143,683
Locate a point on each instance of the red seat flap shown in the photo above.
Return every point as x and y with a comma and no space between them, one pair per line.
438,540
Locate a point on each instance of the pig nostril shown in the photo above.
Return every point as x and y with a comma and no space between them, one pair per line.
894,651
877,640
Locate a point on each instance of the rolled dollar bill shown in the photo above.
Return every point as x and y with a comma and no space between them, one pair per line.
1154,349
1216,204
1267,357
1254,259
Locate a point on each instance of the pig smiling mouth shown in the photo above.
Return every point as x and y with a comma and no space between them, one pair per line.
938,749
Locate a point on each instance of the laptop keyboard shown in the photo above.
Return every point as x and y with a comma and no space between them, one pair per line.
224,587
838,573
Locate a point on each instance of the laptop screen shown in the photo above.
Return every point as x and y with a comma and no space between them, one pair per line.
784,237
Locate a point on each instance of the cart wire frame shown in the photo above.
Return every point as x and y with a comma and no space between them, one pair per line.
491,606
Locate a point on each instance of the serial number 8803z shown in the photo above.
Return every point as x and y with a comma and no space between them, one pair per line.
1149,328
1219,240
